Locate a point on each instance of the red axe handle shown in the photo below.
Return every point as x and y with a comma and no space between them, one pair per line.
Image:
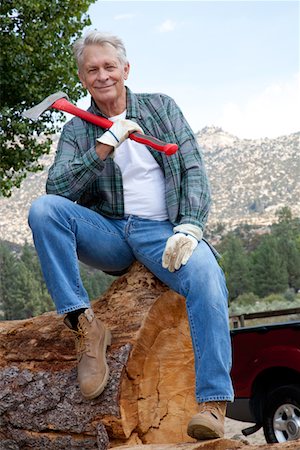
64,105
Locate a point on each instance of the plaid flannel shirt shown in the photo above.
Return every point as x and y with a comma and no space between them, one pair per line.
79,175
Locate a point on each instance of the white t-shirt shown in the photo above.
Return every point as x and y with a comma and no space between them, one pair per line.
143,179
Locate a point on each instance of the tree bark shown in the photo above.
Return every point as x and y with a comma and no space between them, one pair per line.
150,394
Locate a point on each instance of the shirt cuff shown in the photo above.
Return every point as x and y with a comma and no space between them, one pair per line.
189,228
92,161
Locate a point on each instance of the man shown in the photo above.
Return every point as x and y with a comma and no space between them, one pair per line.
112,201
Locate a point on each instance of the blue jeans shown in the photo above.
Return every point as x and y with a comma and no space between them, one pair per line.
64,232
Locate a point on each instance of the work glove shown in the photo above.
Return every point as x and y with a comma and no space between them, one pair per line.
118,132
180,246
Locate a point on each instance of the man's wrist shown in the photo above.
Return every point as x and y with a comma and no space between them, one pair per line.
103,150
189,229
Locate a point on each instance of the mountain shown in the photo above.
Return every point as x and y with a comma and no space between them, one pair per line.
250,181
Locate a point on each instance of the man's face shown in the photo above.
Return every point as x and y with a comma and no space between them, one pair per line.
102,74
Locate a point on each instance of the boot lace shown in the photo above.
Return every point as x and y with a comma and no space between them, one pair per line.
214,408
82,342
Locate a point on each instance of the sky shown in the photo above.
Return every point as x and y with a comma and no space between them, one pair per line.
231,64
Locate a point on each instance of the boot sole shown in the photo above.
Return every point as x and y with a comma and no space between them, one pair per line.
202,432
102,386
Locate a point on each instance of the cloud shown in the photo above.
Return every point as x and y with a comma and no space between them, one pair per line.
124,16
167,26
271,113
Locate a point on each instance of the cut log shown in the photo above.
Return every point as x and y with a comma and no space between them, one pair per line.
150,394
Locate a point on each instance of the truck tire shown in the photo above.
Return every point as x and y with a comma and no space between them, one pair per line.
281,415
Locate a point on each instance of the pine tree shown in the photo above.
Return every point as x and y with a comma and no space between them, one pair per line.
8,271
269,268
22,291
287,233
235,263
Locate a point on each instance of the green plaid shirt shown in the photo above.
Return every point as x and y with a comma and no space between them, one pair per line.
78,173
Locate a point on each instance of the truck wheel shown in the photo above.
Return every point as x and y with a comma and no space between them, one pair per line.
281,416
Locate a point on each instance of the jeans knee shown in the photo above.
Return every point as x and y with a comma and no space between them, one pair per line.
41,209
207,280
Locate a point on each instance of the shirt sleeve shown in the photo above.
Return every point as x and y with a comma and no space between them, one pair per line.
195,193
72,171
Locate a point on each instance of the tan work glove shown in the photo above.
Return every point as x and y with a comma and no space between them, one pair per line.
118,132
180,246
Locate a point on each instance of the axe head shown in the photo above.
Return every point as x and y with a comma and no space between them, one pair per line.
36,111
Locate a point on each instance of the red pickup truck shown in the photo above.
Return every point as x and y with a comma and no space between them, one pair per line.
266,377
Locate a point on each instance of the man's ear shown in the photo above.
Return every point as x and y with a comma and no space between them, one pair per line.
81,78
126,71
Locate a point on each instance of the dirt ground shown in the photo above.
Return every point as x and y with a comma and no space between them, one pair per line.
233,429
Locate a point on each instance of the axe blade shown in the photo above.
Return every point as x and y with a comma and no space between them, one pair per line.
36,111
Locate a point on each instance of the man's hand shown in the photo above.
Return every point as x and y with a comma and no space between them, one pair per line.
180,246
118,132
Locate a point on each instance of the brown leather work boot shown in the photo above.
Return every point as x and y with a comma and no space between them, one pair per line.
209,422
91,341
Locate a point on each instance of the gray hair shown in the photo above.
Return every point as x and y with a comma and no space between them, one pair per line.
96,37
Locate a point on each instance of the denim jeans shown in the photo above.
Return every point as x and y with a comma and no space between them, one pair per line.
64,232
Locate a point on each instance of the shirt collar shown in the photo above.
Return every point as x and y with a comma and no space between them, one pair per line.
132,106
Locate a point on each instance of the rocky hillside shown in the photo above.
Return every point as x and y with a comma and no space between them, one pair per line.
250,180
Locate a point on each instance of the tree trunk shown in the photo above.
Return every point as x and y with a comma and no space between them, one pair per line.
150,394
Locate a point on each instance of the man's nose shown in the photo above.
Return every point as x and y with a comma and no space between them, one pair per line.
102,75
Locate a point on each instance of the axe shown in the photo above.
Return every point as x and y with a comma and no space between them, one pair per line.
60,101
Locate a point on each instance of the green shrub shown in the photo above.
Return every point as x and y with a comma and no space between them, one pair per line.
290,295
273,298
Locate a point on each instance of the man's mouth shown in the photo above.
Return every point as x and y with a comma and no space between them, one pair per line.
104,87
